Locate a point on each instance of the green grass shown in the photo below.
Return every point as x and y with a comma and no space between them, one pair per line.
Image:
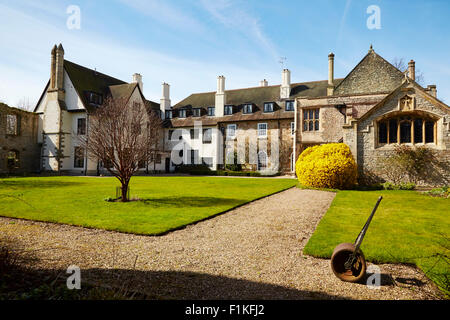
168,202
408,227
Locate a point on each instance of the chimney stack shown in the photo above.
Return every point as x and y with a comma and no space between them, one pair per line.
431,89
57,72
165,103
220,97
263,83
137,78
59,81
330,88
412,69
285,89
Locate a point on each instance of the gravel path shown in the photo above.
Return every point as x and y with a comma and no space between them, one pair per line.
252,252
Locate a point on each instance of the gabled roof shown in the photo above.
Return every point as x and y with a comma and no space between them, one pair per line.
86,80
372,74
416,86
256,95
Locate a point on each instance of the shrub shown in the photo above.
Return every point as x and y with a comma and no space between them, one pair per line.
408,164
399,186
327,166
192,168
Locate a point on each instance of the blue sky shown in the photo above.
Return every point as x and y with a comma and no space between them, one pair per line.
189,43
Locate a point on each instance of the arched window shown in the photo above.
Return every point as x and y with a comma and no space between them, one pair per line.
262,160
413,129
12,159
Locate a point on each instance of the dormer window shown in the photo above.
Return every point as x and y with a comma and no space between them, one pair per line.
168,114
196,112
228,110
95,98
182,113
268,107
290,105
211,111
248,108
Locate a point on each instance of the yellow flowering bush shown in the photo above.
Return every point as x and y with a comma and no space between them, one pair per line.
327,166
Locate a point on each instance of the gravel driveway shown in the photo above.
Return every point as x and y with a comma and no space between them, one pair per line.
252,252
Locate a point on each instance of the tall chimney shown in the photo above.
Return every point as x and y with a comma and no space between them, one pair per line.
53,68
263,83
285,88
59,72
220,97
330,88
165,103
412,69
137,78
431,89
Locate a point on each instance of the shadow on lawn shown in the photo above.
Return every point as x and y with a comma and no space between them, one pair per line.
34,184
180,202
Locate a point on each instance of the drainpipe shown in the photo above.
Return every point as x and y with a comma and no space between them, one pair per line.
295,134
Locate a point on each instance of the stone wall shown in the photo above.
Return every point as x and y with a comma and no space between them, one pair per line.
363,140
281,147
372,74
24,143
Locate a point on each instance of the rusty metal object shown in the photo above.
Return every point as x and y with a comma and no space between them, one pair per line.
341,254
348,262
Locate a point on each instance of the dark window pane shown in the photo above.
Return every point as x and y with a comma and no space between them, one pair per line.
316,125
310,126
305,114
316,113
311,114
405,132
418,131
429,131
382,132
392,131
305,125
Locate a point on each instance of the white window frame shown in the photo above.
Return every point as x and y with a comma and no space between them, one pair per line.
268,103
264,135
248,107
228,107
231,136
266,162
293,105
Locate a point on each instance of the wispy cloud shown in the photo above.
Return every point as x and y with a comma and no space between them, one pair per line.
163,12
236,18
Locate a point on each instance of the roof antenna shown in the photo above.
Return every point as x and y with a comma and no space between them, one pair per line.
95,71
282,61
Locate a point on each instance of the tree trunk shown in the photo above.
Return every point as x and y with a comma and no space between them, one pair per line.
125,191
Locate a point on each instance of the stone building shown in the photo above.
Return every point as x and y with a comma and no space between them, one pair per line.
19,149
71,94
373,109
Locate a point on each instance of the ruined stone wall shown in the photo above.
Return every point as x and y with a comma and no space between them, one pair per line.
25,142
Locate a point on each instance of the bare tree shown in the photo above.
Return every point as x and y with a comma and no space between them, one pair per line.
401,65
122,134
25,104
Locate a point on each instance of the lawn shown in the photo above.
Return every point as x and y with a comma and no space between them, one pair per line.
408,227
167,203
